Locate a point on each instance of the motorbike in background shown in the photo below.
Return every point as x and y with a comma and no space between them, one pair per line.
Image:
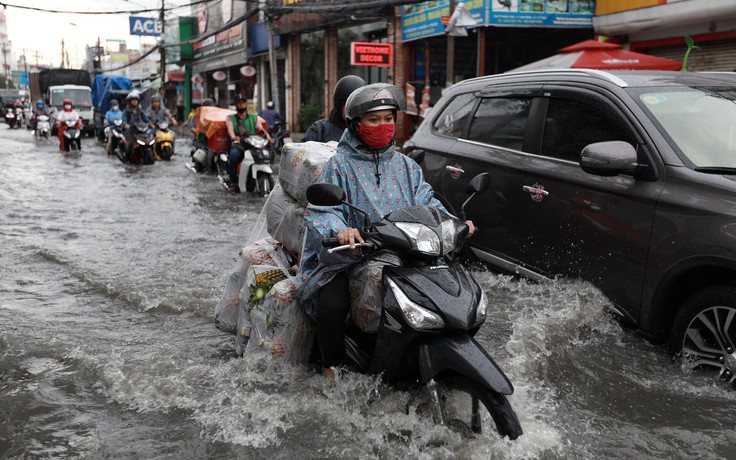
115,137
71,136
43,128
164,146
280,135
10,118
141,152
256,174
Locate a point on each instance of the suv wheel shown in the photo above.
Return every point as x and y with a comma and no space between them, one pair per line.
704,332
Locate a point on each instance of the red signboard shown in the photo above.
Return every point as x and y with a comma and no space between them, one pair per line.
375,54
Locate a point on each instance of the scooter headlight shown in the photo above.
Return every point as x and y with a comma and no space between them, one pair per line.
417,316
449,235
140,142
422,238
481,309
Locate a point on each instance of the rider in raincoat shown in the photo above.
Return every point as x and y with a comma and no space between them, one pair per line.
377,180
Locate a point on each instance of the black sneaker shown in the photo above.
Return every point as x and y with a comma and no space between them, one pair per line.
233,188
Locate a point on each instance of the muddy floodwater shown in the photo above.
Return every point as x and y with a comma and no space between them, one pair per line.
109,275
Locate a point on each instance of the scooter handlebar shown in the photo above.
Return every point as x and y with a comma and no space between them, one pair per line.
330,242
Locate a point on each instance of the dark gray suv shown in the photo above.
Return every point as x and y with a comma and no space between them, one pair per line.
623,179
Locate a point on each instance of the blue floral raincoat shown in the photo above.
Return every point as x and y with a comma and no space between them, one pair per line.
358,173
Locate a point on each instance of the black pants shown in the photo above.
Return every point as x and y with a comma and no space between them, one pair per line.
333,307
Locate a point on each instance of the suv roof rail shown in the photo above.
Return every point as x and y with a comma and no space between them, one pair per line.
602,74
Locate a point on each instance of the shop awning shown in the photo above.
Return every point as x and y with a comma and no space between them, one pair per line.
592,54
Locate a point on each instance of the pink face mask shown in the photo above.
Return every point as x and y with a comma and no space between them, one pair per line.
378,136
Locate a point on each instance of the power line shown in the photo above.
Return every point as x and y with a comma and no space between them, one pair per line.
147,10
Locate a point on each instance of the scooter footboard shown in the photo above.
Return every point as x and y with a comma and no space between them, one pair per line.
465,356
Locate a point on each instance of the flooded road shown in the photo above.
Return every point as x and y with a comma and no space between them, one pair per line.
109,279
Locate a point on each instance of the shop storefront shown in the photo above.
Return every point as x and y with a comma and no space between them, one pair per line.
497,37
658,27
220,62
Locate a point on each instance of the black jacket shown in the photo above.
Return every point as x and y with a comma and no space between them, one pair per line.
326,129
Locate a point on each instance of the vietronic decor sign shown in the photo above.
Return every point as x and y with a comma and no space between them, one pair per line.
373,54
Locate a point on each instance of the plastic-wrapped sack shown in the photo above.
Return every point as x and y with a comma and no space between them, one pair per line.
292,229
267,252
366,289
279,325
302,165
275,208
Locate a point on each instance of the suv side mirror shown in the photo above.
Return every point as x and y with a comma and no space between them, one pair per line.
417,155
609,158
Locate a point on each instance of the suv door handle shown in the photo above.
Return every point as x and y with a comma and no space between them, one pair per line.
535,190
454,170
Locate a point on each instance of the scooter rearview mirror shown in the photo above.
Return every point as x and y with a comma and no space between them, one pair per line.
325,195
479,184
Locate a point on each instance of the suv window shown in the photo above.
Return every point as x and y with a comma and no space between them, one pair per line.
571,125
501,122
454,117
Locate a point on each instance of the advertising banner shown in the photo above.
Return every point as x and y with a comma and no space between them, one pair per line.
541,13
144,26
427,19
422,20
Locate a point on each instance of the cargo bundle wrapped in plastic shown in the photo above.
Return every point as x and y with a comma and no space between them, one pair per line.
279,325
285,220
266,251
366,283
271,320
302,165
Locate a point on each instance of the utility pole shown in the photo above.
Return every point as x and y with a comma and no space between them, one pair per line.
272,60
162,49
62,53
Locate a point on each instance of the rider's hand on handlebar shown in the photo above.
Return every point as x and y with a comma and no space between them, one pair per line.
471,228
350,236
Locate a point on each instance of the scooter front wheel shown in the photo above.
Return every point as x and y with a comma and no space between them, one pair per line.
473,409
265,184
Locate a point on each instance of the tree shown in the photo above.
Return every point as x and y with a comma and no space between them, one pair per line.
5,83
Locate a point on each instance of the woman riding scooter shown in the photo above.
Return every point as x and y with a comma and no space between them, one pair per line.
67,114
377,180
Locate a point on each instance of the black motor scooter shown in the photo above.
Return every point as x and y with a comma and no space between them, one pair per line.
432,308
142,151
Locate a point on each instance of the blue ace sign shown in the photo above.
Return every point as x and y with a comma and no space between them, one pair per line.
145,26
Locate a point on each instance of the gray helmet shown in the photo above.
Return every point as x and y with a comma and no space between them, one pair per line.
208,102
133,95
344,87
114,103
376,96
269,104
155,97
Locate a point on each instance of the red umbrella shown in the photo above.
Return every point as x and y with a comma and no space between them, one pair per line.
592,54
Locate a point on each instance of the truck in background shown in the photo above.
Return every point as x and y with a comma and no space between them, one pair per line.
105,88
55,85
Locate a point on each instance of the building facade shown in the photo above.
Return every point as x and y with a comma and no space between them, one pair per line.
658,27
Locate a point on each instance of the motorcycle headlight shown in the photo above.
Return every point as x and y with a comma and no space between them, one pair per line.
449,235
422,238
417,316
481,309
140,142
152,141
